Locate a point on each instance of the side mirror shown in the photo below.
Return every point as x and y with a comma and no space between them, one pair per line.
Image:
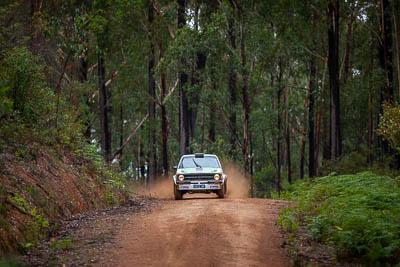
175,167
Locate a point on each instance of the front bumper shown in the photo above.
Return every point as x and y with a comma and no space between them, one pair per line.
198,187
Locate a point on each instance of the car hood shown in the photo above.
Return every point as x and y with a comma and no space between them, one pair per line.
198,170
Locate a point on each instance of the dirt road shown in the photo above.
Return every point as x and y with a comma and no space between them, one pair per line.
202,232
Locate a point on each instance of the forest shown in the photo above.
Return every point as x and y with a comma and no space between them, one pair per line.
285,90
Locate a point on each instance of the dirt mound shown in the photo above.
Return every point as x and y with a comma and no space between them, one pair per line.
39,188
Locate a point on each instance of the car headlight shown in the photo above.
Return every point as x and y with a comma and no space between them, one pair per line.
217,176
181,177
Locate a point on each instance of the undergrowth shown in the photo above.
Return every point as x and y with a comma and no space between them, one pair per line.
35,124
33,117
358,213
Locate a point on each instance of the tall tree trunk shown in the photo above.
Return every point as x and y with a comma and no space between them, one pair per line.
311,133
164,127
319,121
348,43
278,141
287,135
385,59
104,110
303,138
333,62
275,137
370,129
164,118
252,161
396,11
246,104
152,167
203,122
232,89
326,143
194,98
211,128
83,78
370,110
139,154
184,131
121,125
386,51
36,30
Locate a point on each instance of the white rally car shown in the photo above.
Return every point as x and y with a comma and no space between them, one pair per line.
199,173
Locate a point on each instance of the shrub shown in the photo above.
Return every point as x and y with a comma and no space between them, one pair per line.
28,106
264,181
63,244
389,125
23,89
355,162
358,213
349,163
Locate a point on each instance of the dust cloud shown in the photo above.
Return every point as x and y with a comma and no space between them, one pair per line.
238,186
161,188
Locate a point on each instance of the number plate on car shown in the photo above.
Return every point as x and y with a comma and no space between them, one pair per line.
199,186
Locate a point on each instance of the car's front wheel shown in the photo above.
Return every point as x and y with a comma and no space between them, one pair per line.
221,192
178,194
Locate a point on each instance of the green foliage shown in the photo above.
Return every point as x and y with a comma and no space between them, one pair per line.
263,180
22,88
26,104
6,104
3,211
27,107
40,221
63,244
358,213
287,221
11,262
20,202
352,162
10,32
111,177
110,200
36,228
389,125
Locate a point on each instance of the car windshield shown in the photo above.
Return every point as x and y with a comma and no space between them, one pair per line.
206,162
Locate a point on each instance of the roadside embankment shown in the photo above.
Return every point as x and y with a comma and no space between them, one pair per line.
40,186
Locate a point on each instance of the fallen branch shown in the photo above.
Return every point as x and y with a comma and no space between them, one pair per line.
107,84
113,76
170,92
58,88
119,150
171,32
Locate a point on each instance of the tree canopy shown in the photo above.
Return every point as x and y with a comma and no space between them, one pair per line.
284,89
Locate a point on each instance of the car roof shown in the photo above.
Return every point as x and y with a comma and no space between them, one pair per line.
193,155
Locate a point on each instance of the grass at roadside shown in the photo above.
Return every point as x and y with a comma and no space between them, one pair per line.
359,214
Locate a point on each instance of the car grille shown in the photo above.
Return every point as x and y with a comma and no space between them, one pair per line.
197,177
